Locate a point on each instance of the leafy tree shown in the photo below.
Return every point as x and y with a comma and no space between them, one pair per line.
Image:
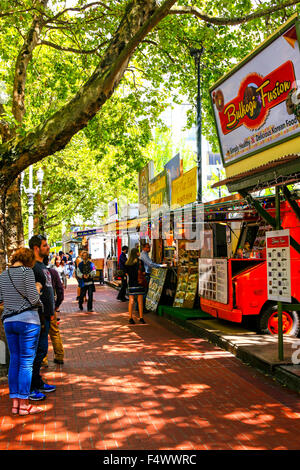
62,65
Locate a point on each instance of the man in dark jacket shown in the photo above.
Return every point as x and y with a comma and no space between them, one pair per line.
122,260
54,330
86,272
40,247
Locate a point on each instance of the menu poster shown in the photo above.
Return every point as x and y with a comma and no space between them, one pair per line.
187,277
279,270
156,284
213,279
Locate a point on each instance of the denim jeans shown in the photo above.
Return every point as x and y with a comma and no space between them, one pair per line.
42,351
22,339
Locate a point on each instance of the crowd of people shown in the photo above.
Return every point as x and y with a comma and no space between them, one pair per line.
32,290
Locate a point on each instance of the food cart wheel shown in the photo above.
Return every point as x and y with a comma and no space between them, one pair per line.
268,321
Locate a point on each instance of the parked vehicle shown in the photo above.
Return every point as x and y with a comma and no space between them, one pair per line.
246,277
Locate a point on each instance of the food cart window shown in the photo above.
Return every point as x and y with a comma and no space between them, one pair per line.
247,237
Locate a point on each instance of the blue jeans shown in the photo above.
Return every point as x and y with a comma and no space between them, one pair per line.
22,339
42,351
71,269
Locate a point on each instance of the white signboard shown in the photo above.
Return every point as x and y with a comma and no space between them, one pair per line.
259,105
213,279
278,265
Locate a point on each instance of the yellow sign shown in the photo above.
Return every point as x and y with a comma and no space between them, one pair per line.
159,184
184,189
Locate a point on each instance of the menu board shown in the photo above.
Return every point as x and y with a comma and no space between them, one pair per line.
187,277
156,284
279,270
213,279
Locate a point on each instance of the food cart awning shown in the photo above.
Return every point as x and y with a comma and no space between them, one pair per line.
282,171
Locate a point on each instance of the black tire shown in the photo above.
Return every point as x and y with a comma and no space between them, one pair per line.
266,314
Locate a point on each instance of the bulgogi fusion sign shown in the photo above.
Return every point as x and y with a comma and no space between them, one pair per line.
258,105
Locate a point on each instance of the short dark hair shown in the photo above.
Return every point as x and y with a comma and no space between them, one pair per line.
124,247
36,240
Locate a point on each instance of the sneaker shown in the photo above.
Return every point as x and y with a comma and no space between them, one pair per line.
47,388
131,321
142,320
35,395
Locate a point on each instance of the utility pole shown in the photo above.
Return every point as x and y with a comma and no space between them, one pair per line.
197,53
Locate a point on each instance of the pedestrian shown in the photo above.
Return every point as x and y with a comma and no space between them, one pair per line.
59,267
20,296
54,332
149,264
122,260
135,269
62,256
70,264
40,247
86,272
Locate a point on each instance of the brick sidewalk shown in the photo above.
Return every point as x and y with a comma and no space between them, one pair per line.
149,387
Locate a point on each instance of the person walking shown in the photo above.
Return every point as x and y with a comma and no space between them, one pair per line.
86,272
20,296
40,247
54,332
122,260
77,261
135,269
70,264
59,267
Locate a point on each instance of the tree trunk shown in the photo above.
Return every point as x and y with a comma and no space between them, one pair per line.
11,231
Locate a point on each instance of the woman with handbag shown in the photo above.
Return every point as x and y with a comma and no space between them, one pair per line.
134,268
20,295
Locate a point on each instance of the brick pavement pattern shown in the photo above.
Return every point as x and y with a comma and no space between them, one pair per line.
151,387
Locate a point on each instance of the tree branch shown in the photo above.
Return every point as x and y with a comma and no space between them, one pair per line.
139,19
221,20
85,7
23,59
72,49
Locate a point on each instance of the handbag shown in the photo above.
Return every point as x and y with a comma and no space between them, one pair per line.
42,318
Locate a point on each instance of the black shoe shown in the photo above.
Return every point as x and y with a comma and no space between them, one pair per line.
80,307
131,321
58,361
142,320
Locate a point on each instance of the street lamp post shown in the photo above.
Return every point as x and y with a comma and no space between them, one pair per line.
197,53
30,192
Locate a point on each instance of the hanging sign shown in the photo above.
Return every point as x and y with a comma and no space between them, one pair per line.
257,105
184,189
278,267
158,193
